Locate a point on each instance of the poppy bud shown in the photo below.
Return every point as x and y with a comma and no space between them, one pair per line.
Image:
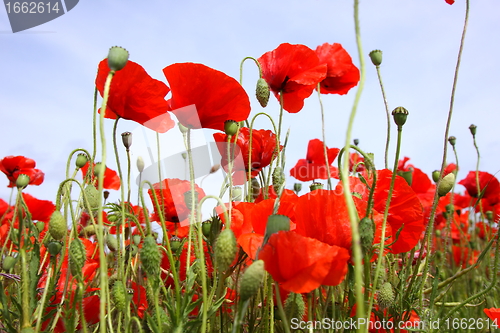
366,234
54,248
81,160
225,250
251,280
356,142
40,226
297,187
237,193
262,92
407,175
92,196
206,227
98,168
231,127
278,178
315,186
127,139
175,243
77,257
182,128
400,114
446,184
8,263
136,239
255,188
150,257
276,223
472,129
188,200
22,181
117,58
435,175
452,140
385,296
57,225
140,164
295,306
119,295
111,242
376,57
489,216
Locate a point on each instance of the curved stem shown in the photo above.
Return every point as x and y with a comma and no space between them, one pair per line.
388,118
318,88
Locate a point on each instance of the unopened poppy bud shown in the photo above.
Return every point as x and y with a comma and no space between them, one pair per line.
99,168
57,225
315,186
376,57
175,243
40,226
385,297
297,187
54,248
92,195
150,256
231,127
251,280
182,128
237,193
435,175
119,296
262,92
356,142
136,239
400,114
206,228
22,181
295,306
446,184
366,234
81,160
140,164
255,188
472,129
452,140
8,263
278,178
117,58
111,242
188,199
127,139
407,175
276,223
77,256
225,250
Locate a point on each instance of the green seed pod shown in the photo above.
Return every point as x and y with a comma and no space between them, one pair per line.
54,248
295,306
92,195
119,295
81,160
251,280
262,92
435,175
407,175
225,249
356,142
452,140
315,186
57,225
400,114
8,263
231,127
40,226
385,297
276,223
175,243
22,181
111,242
150,256
127,140
206,227
376,57
473,129
446,184
77,257
366,234
117,58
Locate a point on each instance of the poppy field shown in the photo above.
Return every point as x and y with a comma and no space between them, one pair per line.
334,244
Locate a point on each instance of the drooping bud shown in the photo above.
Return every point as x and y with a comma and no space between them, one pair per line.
262,92
136,239
400,114
376,57
452,140
446,184
81,160
251,280
276,223
140,164
315,186
127,139
22,181
92,195
231,127
117,58
435,175
472,129
99,168
225,250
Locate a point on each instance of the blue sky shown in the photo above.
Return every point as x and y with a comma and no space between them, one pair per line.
48,72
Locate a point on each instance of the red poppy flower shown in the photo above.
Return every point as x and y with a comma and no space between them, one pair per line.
263,152
493,314
111,179
203,97
450,2
13,166
40,210
301,264
341,73
134,95
172,200
293,71
313,166
463,256
488,185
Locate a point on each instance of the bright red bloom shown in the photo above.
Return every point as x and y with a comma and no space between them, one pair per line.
463,256
263,152
134,95
292,71
493,314
40,210
203,97
13,166
172,200
488,185
111,179
485,230
450,2
341,73
314,166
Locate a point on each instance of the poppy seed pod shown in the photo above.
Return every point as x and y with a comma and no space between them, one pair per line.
446,184
435,175
231,127
81,160
452,140
54,248
117,58
356,142
22,181
315,186
175,243
472,129
127,139
262,92
400,114
251,280
376,57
